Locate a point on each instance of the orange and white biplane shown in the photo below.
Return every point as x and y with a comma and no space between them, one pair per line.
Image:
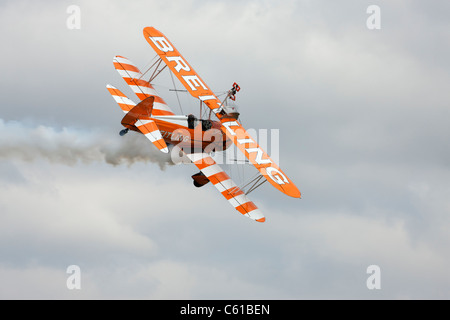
195,138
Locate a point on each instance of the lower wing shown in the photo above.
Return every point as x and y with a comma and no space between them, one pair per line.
223,183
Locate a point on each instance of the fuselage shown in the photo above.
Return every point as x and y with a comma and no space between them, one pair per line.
190,132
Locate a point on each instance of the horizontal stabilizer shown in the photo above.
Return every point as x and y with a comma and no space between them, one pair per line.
151,131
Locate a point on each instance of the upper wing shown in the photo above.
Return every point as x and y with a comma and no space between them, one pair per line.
234,130
226,186
181,68
266,166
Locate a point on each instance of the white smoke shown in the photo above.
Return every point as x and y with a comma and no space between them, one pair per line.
71,146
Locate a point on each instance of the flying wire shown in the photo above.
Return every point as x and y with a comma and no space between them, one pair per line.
176,92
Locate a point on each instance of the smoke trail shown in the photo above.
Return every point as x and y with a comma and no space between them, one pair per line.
70,146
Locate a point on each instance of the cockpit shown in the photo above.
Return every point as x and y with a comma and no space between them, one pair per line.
193,122
230,110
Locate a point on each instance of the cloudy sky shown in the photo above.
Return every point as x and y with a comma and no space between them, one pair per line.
363,117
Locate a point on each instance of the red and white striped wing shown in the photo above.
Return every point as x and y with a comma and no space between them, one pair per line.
226,186
142,88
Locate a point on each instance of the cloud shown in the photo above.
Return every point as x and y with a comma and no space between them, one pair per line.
363,127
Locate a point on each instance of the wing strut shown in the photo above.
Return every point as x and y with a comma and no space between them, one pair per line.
156,72
256,182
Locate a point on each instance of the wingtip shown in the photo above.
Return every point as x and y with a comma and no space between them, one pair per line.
256,215
294,192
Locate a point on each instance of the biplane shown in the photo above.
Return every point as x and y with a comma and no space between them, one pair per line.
195,138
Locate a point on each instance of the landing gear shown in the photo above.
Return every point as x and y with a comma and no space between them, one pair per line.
200,179
123,132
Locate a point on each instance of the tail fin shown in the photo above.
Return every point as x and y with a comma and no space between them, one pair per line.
142,111
137,117
140,118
